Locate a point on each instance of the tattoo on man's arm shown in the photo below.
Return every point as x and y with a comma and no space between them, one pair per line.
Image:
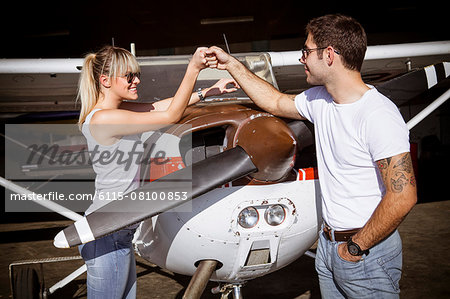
404,164
383,166
398,175
399,183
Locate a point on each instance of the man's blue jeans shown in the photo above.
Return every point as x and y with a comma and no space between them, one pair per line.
111,266
376,275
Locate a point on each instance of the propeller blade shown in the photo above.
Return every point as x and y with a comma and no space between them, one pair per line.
413,83
206,175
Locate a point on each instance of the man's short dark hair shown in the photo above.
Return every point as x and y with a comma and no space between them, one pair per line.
344,34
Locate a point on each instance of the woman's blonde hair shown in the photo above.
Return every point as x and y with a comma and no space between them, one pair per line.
110,61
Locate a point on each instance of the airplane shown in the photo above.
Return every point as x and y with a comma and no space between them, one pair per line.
253,198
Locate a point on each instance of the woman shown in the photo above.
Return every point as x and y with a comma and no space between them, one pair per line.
110,125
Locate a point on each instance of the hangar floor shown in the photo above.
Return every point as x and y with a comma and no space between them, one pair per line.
426,242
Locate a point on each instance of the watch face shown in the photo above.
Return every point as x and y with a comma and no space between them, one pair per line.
352,249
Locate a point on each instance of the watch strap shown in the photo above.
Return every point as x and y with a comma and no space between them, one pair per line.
200,95
354,249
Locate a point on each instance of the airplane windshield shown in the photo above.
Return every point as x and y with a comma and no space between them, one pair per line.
161,76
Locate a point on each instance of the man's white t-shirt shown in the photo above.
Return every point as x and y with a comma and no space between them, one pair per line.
350,138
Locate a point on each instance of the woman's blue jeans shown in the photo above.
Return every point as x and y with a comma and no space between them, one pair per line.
376,275
111,266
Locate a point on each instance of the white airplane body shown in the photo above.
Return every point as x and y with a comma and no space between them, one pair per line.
178,241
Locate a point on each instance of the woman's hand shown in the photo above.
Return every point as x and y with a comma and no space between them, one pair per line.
199,60
220,87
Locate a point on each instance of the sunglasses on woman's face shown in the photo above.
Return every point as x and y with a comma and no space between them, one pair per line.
130,77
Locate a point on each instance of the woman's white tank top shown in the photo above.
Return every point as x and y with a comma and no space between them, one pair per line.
117,166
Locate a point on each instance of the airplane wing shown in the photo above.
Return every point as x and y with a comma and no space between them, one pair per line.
407,86
42,85
381,63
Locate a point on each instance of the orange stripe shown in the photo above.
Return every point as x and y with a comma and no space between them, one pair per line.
308,173
160,168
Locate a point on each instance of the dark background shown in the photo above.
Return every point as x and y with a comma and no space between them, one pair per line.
62,29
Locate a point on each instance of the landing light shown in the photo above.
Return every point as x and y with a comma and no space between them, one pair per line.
275,215
248,217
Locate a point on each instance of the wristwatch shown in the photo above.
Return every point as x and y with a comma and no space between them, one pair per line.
354,248
200,95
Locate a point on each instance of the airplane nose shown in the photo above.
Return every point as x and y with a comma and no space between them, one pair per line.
60,240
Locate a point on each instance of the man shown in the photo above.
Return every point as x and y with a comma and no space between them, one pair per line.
365,169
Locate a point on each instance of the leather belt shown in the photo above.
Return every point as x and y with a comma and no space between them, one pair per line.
339,236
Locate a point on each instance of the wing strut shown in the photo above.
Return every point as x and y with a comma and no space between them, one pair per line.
429,109
46,203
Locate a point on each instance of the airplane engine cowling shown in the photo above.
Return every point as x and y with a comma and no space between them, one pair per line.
271,146
268,140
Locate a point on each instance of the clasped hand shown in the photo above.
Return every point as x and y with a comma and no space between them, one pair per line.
213,57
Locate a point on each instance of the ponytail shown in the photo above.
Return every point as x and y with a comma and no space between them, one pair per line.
88,88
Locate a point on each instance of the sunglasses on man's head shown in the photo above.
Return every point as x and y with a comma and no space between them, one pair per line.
130,76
